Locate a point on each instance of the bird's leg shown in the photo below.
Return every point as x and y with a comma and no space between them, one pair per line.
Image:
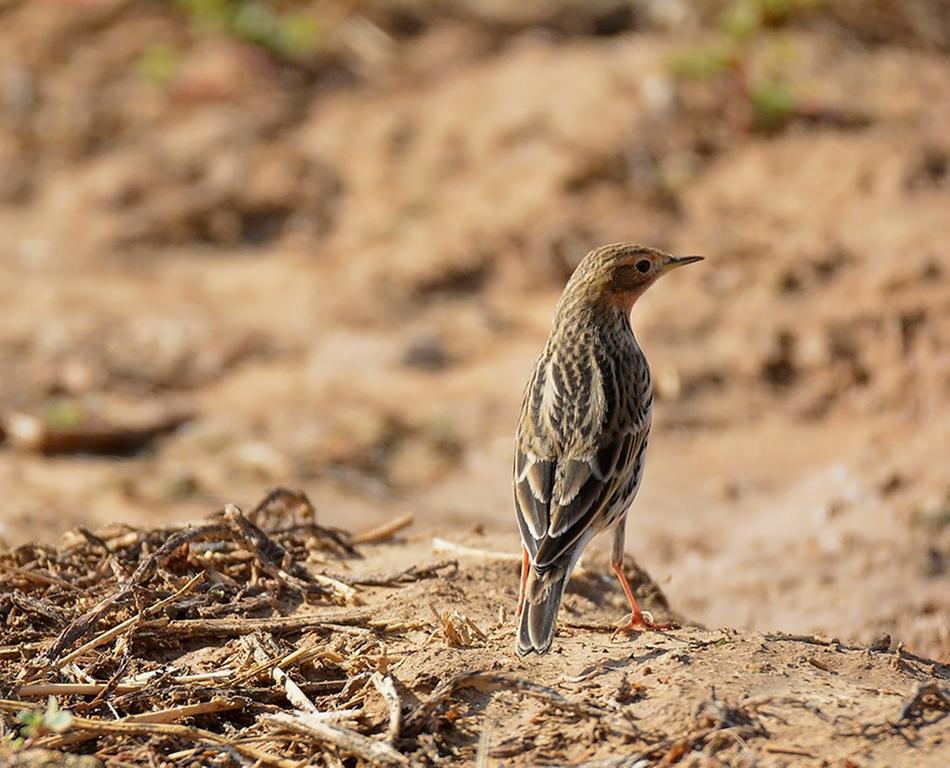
638,620
525,562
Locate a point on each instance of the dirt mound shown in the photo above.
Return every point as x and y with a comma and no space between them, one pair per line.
269,638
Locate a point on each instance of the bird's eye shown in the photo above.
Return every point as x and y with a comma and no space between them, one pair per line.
643,265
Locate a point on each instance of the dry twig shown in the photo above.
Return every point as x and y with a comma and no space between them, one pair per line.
271,558
292,691
385,531
405,576
128,727
277,625
34,434
387,689
87,623
443,545
349,741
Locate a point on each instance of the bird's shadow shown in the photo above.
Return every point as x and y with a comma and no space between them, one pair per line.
610,665
597,583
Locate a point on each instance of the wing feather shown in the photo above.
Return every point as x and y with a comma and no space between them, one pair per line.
533,480
589,506
585,491
570,477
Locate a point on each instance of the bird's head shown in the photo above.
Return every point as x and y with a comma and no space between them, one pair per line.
617,275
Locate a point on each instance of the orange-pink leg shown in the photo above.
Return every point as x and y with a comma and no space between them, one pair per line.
638,622
525,563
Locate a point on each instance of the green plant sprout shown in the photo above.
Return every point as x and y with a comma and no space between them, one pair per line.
64,414
36,723
288,35
159,63
772,100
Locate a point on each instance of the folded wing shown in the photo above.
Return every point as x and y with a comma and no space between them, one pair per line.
558,498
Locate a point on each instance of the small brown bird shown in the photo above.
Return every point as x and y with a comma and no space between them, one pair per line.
582,435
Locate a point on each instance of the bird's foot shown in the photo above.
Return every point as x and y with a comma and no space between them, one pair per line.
642,622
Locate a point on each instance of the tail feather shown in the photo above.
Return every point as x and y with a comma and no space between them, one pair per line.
542,602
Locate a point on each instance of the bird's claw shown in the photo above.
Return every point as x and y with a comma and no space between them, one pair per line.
642,622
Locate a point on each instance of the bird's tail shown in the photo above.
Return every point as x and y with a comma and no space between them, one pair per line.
543,594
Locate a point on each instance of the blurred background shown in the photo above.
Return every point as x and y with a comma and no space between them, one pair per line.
247,242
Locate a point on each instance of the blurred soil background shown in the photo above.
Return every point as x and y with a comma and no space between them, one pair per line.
331,235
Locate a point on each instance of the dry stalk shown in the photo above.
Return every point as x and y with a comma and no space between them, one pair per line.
277,625
459,630
405,576
117,630
169,715
127,727
301,655
39,578
387,689
88,621
442,545
270,557
385,531
374,752
34,690
292,691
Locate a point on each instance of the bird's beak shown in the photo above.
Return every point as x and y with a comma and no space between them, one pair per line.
681,261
